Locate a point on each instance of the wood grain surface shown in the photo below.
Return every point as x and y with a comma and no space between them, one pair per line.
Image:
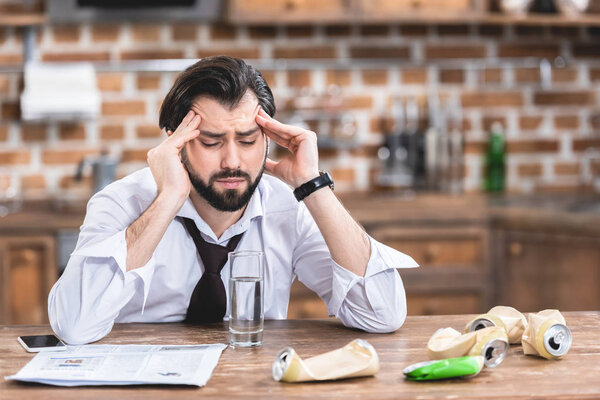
246,373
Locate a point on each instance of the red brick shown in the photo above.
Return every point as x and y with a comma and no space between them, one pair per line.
65,156
566,122
148,81
222,31
561,75
566,168
69,182
452,76
564,98
532,146
151,54
148,131
343,174
492,99
112,132
34,132
66,33
379,52
304,52
15,157
412,76
358,102
246,53
110,82
7,58
11,110
492,75
4,85
33,182
268,76
125,107
582,144
145,32
299,78
367,150
527,75
135,155
472,147
530,170
488,120
72,132
595,74
338,77
184,32
529,50
375,77
450,51
76,56
530,122
106,32
3,133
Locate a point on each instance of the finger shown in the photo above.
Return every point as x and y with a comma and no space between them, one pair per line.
186,120
193,124
184,137
270,165
264,120
277,138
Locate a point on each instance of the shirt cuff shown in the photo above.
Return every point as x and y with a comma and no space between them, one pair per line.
382,258
115,247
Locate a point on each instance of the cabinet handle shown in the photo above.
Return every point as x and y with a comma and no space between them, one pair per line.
515,249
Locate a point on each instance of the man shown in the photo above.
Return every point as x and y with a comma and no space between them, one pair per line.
145,251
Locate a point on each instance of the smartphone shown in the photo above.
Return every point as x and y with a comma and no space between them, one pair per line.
36,343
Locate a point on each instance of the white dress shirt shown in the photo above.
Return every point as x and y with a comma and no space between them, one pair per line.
96,290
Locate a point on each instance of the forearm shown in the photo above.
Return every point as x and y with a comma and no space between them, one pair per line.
347,242
143,235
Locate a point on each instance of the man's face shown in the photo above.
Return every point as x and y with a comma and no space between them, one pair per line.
226,161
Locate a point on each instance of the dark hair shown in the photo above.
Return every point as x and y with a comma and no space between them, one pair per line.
224,79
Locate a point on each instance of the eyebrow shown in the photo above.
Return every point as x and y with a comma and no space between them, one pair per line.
220,135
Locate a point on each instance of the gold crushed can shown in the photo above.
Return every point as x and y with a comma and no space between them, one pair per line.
547,335
513,322
357,358
491,343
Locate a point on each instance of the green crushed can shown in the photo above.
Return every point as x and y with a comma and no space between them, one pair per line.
459,367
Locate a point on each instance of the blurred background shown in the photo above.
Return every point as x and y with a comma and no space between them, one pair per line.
464,133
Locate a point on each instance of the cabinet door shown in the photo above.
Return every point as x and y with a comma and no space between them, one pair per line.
27,273
549,271
289,10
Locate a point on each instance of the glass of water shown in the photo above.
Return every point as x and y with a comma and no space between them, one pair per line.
246,300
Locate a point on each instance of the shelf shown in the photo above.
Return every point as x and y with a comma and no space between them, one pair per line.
420,18
22,19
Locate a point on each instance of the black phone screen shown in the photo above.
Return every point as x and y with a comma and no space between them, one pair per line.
41,341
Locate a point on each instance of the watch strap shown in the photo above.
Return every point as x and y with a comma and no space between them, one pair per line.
323,180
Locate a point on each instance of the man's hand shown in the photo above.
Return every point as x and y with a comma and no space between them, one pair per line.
165,159
302,164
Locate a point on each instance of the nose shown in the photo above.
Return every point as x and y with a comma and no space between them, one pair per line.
230,157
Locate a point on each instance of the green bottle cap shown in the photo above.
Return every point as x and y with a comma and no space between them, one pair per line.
460,367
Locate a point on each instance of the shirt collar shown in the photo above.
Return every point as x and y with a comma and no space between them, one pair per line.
253,210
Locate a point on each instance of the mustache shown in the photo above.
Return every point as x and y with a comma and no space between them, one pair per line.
230,173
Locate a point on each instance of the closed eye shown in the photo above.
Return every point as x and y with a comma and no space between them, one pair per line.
209,144
248,143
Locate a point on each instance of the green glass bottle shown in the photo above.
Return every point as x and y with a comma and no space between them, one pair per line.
495,160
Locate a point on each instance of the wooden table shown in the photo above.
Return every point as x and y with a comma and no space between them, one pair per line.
246,373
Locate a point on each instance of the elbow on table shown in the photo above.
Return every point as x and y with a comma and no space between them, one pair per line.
76,333
389,323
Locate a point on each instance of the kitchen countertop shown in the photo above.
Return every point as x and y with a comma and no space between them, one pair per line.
246,373
574,212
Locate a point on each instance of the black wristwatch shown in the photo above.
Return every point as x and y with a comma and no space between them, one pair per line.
324,179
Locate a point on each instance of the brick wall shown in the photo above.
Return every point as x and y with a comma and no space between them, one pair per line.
489,68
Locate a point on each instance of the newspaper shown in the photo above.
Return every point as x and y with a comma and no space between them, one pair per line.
106,364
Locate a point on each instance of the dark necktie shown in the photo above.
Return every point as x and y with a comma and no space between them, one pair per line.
209,300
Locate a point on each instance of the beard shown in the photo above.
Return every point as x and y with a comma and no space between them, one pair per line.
229,200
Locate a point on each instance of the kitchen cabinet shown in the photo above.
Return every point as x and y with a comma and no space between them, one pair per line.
27,273
539,270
